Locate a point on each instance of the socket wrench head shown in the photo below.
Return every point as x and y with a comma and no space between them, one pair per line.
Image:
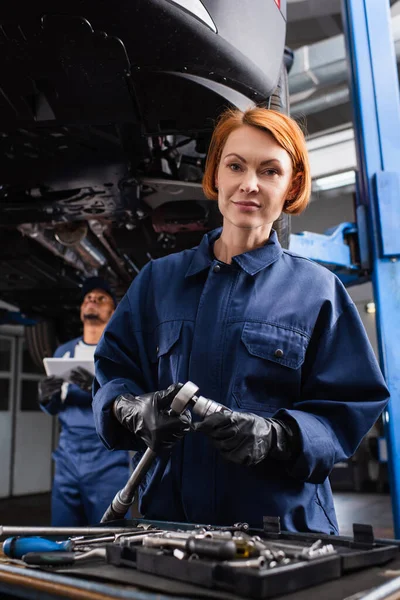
184,397
203,407
200,406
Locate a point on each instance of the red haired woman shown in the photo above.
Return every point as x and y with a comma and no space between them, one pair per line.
272,336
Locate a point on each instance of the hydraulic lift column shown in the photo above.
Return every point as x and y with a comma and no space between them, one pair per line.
376,109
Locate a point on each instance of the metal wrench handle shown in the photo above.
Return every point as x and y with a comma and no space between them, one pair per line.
59,531
124,498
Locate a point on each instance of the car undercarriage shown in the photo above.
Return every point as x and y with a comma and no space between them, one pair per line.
106,114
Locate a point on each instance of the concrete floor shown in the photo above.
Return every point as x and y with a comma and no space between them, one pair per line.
351,507
371,509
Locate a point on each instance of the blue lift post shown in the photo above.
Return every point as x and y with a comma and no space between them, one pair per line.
376,109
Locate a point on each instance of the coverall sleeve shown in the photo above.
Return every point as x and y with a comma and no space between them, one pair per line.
53,406
121,366
343,394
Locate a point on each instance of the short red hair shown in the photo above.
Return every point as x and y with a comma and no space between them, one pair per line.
285,131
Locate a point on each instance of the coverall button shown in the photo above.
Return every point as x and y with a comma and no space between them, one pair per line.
278,353
158,349
216,268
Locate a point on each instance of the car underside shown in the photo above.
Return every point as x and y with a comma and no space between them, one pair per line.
106,113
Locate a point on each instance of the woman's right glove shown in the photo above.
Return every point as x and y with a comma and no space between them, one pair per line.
147,417
247,439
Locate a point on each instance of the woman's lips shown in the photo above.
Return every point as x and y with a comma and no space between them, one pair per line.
247,206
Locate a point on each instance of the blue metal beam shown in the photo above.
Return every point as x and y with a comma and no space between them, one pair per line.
376,106
329,249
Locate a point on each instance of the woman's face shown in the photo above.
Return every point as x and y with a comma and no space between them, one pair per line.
253,178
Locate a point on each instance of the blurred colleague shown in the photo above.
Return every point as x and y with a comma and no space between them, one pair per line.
87,475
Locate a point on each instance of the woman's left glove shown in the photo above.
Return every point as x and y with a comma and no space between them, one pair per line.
82,378
148,417
247,439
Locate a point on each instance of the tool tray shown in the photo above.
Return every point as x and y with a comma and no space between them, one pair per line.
361,551
176,568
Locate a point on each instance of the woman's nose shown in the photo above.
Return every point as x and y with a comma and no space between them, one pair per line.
249,183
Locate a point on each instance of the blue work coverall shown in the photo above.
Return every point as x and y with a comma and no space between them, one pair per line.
273,334
87,475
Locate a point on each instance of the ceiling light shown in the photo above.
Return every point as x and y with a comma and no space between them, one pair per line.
334,181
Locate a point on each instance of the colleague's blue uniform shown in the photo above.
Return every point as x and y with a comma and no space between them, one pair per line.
87,475
273,334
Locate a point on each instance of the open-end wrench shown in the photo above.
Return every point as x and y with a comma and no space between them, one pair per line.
56,559
117,537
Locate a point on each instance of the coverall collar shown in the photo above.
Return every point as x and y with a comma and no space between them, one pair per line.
252,262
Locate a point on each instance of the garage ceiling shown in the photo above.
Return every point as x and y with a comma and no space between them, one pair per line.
310,23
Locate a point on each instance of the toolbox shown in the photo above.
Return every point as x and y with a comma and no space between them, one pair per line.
235,560
348,554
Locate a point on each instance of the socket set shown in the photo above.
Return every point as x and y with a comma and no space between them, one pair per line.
259,564
251,563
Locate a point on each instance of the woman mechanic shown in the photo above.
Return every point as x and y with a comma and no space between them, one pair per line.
271,335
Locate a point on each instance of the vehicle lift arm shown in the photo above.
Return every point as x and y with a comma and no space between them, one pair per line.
376,111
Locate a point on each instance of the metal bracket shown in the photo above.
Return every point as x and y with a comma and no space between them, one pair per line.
332,250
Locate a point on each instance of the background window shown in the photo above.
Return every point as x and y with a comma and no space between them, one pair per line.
29,395
5,354
4,394
28,366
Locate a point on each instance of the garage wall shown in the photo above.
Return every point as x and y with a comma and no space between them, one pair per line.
26,433
33,431
7,382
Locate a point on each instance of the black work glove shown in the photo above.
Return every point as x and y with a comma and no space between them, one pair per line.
82,378
247,439
47,387
147,417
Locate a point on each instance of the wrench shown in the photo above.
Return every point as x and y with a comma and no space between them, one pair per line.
184,398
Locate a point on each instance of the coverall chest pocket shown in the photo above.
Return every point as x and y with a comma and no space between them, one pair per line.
268,367
165,353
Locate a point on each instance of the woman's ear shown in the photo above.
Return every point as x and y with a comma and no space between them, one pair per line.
216,183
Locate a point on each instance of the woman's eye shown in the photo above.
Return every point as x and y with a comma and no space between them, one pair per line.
235,167
270,172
